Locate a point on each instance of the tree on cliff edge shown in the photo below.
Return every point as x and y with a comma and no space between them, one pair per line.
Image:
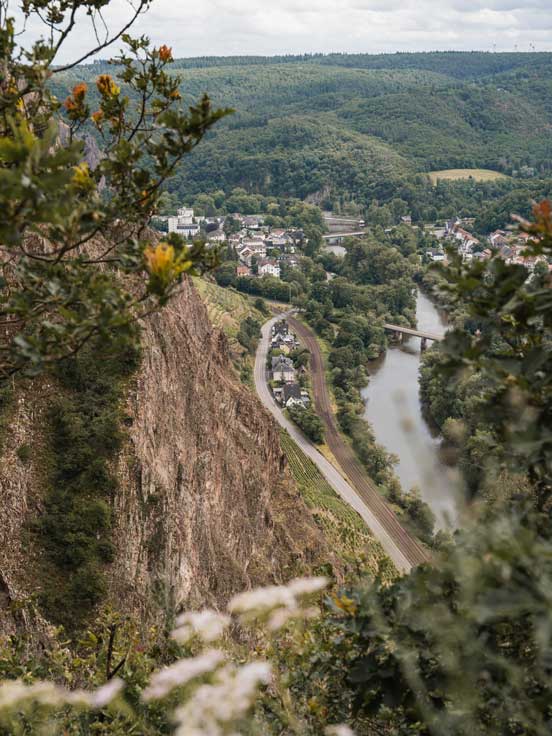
70,230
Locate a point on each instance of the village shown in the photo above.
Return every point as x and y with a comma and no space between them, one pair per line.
509,244
264,251
287,367
261,250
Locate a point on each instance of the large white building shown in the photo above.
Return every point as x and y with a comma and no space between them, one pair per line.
183,224
185,215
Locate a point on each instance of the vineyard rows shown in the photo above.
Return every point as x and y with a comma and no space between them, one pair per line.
340,523
226,308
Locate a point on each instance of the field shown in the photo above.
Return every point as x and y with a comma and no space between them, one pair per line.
342,526
457,174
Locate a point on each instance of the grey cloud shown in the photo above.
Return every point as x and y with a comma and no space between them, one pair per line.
221,27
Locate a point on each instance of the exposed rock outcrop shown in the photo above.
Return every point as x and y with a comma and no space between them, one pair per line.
205,504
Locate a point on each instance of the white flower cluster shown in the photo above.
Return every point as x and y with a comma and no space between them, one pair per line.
278,603
206,625
16,693
216,706
181,673
213,708
340,730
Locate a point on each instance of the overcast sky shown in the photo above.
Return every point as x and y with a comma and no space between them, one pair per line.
239,27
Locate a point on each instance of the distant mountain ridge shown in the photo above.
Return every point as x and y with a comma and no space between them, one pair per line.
361,126
459,64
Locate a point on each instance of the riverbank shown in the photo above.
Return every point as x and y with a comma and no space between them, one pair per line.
394,410
348,458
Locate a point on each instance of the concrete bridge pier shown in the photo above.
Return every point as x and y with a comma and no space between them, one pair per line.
423,344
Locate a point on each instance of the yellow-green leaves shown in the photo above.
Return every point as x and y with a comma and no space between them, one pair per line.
62,214
82,181
164,266
106,86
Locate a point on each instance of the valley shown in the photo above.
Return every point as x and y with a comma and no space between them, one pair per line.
348,131
252,480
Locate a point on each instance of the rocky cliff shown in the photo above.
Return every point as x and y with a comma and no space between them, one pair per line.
205,504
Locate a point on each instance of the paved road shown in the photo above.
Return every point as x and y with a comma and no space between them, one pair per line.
392,542
348,461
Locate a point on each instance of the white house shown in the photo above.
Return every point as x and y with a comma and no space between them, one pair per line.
184,223
253,222
216,236
269,268
291,395
254,247
187,230
284,244
245,255
436,255
498,238
185,215
283,370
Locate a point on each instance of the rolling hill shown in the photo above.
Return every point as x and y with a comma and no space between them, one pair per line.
360,127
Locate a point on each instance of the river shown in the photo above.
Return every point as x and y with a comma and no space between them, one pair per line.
394,411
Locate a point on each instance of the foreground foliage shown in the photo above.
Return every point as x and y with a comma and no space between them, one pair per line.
71,228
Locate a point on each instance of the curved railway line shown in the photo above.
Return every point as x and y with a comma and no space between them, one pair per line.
364,486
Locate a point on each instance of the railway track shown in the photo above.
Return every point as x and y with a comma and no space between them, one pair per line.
412,550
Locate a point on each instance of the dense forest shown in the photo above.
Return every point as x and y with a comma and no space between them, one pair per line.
350,130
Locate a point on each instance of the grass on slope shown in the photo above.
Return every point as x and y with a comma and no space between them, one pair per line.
475,174
343,527
226,308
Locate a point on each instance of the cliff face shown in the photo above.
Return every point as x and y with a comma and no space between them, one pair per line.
205,504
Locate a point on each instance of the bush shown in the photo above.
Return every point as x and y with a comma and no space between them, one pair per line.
261,306
308,421
24,453
249,334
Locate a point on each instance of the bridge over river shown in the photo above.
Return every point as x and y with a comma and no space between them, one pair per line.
338,238
409,331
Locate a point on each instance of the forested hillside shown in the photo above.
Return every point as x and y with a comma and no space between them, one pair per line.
348,129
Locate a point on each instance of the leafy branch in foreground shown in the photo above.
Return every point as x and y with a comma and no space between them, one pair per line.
69,231
509,348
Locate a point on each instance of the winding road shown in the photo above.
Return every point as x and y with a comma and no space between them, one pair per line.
360,493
